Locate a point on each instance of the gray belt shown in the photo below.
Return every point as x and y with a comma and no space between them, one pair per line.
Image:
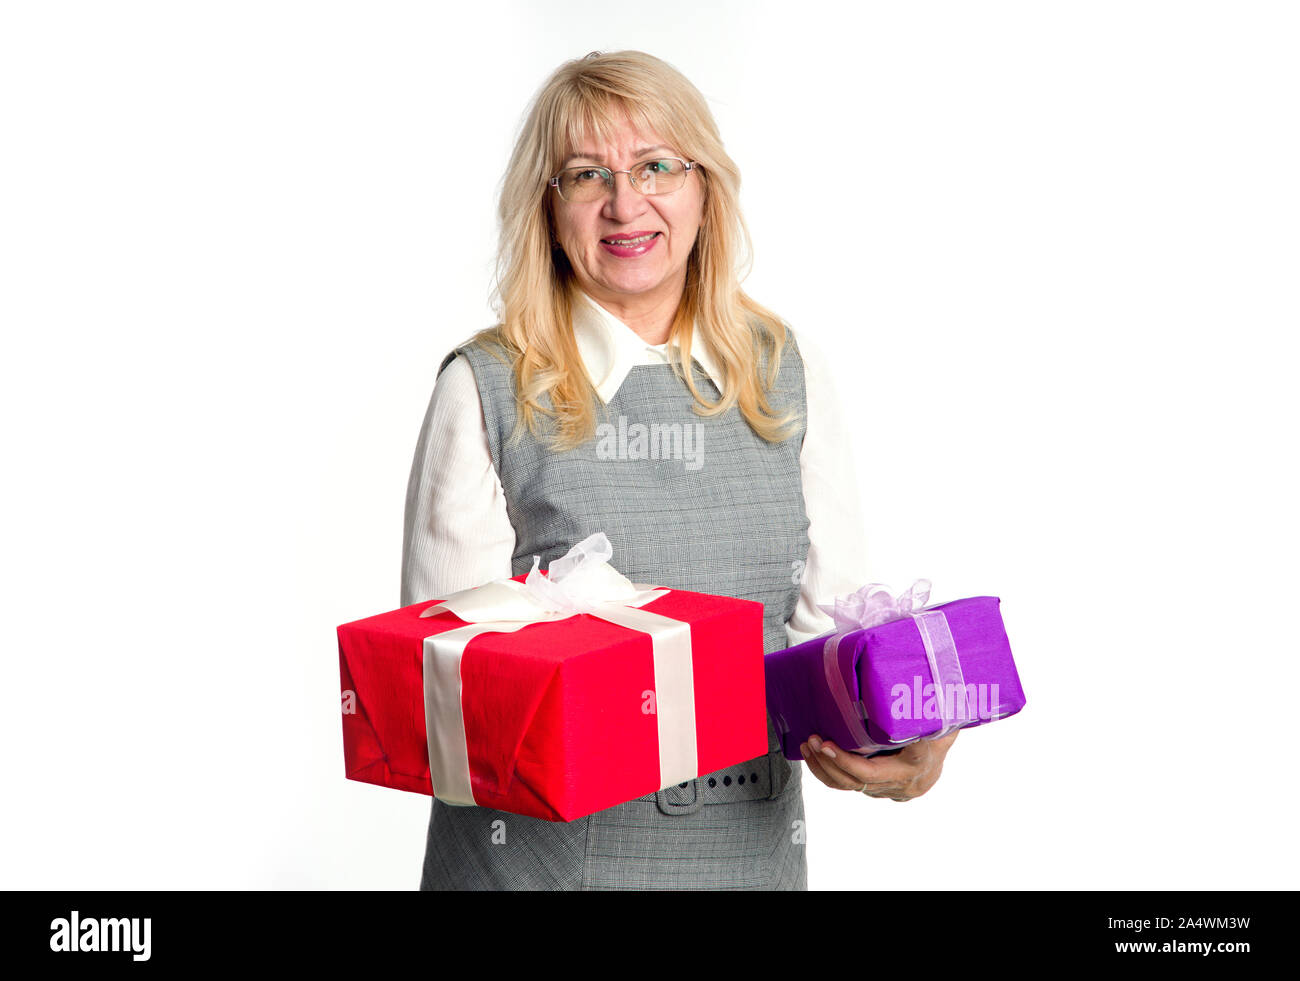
758,779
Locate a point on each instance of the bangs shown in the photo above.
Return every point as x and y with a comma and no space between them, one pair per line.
592,119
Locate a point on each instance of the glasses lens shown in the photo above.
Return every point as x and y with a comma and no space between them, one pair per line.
659,176
583,183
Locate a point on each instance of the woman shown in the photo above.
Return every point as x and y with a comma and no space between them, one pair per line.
620,304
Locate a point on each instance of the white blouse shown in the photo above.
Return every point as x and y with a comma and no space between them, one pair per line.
457,532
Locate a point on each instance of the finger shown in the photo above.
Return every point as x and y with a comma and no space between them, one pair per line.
814,765
838,763
848,763
947,741
900,769
927,755
846,770
931,769
938,748
825,771
880,772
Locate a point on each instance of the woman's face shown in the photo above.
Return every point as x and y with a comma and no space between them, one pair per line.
650,273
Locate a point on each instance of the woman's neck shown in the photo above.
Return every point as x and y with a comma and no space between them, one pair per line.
650,317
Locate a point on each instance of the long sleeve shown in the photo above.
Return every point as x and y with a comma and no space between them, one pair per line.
457,532
837,555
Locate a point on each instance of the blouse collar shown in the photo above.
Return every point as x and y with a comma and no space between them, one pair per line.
610,349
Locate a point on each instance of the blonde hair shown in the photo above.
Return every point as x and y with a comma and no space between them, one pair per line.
534,293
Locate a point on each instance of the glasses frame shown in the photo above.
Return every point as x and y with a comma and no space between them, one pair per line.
687,167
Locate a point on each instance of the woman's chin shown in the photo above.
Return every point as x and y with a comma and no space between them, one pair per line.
631,280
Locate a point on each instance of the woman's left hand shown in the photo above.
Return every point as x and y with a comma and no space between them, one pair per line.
903,776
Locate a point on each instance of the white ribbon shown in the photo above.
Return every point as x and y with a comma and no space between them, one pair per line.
873,605
581,581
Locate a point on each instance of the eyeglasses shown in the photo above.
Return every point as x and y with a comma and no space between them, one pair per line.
659,176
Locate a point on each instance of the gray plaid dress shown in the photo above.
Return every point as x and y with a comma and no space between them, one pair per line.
732,525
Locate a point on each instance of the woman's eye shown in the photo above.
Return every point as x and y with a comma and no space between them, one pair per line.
587,175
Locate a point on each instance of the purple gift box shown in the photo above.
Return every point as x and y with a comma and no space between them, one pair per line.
918,675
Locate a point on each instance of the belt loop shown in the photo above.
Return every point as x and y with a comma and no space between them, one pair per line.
680,798
778,767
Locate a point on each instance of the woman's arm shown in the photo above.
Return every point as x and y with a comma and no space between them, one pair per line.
837,555
457,533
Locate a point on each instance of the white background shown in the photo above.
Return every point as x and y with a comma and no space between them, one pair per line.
1055,246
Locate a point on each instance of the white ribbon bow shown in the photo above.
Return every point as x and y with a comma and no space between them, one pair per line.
872,605
582,581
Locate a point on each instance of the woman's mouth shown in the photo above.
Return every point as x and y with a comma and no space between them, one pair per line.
630,246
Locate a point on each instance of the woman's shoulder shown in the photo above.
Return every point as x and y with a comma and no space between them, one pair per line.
481,361
771,333
487,341
455,374
455,403
774,335
810,351
804,363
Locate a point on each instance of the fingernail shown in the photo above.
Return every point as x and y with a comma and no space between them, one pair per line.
804,749
815,743
828,751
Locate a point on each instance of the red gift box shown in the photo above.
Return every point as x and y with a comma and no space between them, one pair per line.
555,719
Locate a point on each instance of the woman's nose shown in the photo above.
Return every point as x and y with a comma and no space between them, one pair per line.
624,202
